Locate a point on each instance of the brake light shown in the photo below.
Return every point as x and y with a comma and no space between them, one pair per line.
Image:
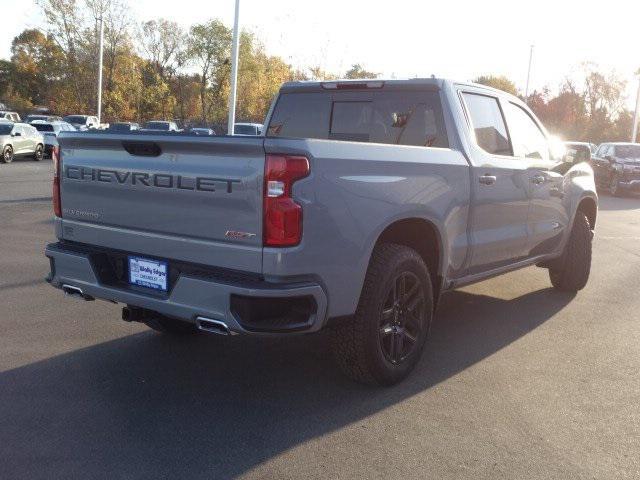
57,204
351,85
282,216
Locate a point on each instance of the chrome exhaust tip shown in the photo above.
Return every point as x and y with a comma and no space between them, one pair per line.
210,325
76,293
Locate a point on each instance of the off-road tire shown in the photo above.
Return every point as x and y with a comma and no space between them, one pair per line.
356,342
571,272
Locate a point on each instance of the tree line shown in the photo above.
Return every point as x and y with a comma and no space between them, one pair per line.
158,70
590,109
152,70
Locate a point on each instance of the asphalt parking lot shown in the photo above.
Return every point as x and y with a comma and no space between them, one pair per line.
519,381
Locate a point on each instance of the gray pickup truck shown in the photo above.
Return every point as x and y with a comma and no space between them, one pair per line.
359,206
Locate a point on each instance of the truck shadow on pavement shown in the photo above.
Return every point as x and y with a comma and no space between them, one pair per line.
208,407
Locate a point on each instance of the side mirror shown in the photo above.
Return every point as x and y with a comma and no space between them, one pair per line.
609,158
16,134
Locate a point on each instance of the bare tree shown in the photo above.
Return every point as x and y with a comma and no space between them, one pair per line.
163,42
209,46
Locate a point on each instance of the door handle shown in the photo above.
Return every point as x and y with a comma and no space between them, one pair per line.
538,179
487,179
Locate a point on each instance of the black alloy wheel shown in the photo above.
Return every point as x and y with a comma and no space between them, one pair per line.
402,320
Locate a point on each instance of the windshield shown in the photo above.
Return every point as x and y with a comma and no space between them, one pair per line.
75,119
44,127
244,130
31,118
5,129
157,125
628,151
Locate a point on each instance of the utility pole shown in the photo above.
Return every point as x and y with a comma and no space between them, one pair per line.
634,129
100,68
234,72
526,90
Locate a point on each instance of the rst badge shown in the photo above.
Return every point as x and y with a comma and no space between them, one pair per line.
233,234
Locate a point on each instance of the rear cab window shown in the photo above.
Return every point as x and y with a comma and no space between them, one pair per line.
397,117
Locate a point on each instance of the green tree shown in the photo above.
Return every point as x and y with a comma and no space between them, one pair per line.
38,65
358,71
209,46
498,81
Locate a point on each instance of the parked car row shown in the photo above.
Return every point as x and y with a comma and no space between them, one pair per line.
240,129
616,165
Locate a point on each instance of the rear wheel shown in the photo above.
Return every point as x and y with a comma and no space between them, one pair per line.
170,326
571,272
384,340
7,154
39,153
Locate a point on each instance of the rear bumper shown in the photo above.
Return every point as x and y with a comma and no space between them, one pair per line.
245,306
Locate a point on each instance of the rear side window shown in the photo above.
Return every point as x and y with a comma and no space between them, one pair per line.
396,117
488,123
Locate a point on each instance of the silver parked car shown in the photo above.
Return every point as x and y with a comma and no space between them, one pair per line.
33,117
50,131
244,129
20,140
82,122
160,126
202,131
10,116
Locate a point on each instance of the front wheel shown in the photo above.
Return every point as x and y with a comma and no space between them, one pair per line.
7,154
571,272
39,153
384,340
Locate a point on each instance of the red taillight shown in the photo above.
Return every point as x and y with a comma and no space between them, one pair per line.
282,216
57,204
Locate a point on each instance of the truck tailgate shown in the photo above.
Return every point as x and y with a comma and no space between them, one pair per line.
196,199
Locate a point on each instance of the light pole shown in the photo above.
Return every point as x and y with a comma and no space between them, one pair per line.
526,90
100,69
234,72
634,129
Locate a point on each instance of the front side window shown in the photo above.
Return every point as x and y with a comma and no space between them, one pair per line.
527,138
488,123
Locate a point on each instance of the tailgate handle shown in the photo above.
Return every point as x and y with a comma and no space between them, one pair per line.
142,149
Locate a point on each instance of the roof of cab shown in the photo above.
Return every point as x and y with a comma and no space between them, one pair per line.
386,83
313,85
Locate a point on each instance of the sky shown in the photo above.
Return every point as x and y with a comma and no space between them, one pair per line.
407,38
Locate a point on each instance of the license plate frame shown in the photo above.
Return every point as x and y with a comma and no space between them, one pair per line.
148,273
